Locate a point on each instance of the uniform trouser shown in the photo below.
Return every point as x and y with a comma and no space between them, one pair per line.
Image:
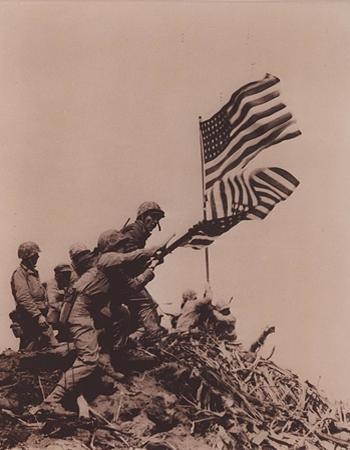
143,310
34,337
118,331
84,336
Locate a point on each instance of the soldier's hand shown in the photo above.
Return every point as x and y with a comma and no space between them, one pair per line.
154,263
42,322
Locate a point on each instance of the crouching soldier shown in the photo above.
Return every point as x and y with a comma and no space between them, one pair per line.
91,294
57,288
31,302
223,323
88,298
194,311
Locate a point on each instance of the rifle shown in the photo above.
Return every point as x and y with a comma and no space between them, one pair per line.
165,250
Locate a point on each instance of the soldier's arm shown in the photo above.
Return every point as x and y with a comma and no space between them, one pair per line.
112,259
54,295
136,283
24,297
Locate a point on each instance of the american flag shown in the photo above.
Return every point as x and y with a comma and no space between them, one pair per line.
252,120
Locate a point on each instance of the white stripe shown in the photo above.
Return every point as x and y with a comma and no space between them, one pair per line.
275,190
218,200
229,196
280,179
277,196
262,209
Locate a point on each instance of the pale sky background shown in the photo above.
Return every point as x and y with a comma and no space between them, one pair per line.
99,112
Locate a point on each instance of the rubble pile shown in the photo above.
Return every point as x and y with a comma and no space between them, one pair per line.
249,401
194,394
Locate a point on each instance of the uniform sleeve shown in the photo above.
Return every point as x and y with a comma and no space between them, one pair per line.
138,282
112,259
55,298
201,302
54,295
23,295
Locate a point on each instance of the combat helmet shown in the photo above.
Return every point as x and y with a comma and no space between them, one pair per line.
28,249
108,240
78,249
150,207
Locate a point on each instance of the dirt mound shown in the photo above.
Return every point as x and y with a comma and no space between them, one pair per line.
192,393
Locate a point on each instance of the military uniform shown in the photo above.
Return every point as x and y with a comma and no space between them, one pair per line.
194,313
143,308
31,303
92,294
56,294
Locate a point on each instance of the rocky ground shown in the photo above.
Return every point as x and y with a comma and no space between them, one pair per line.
186,392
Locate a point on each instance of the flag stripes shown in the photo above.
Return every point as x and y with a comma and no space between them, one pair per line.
267,187
272,186
231,196
251,121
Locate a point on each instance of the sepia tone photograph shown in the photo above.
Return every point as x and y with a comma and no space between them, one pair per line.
175,243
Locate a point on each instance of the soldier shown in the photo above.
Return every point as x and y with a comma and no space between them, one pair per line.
142,307
122,286
31,301
91,295
76,252
194,311
223,324
56,289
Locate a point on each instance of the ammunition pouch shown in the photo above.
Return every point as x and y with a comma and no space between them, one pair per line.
17,330
16,327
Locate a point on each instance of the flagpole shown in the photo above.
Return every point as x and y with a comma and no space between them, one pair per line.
204,200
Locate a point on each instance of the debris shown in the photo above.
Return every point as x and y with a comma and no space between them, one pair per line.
197,394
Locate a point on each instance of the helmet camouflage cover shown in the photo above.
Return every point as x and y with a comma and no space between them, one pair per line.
151,207
76,249
108,240
28,249
189,294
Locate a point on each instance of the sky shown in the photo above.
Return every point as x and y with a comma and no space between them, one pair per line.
99,112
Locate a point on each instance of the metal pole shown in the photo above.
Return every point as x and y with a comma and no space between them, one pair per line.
204,200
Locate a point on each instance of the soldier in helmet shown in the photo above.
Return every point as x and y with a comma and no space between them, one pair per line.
194,311
92,293
77,252
122,285
148,217
31,301
142,307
